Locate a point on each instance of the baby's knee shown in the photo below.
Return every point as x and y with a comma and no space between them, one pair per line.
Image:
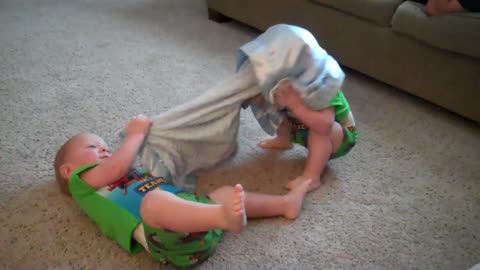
150,205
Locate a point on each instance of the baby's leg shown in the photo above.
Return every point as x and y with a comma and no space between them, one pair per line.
258,205
161,209
320,148
281,139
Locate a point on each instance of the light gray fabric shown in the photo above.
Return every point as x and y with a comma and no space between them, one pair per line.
475,267
287,52
201,133
458,32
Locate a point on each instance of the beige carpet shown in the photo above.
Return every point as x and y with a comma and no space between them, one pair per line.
407,197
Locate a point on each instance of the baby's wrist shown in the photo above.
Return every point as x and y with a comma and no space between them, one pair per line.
136,136
295,106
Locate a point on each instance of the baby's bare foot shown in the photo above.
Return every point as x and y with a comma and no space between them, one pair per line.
295,199
234,210
315,183
276,143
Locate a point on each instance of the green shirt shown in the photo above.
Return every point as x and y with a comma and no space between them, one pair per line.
340,103
115,220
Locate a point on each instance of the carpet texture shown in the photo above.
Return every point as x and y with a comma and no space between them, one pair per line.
406,197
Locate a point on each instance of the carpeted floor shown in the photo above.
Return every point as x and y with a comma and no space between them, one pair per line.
407,197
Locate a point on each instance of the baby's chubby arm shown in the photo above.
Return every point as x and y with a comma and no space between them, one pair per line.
121,160
318,121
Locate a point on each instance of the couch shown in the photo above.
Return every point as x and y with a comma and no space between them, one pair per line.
394,41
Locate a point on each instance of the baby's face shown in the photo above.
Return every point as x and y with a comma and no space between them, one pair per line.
87,149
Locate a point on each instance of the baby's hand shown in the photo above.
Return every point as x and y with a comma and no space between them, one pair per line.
288,96
138,125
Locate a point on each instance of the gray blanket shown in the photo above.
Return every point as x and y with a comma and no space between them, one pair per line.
203,132
200,133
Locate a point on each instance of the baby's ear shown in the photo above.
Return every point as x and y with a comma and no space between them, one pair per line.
66,170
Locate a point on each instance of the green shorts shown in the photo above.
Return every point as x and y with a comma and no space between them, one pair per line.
182,249
299,135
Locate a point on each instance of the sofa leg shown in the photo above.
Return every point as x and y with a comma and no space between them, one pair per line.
217,16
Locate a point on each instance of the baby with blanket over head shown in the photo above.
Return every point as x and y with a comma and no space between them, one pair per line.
301,101
293,88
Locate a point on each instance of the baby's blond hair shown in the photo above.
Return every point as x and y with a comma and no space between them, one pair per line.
60,159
